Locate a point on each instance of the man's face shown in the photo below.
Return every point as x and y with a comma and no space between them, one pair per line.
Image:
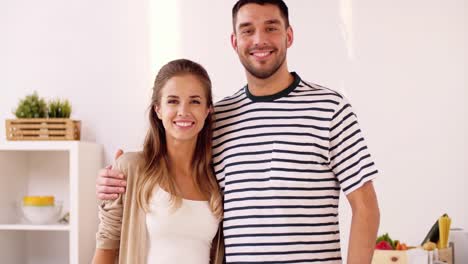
261,39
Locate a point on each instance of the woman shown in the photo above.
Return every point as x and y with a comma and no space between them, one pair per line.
172,208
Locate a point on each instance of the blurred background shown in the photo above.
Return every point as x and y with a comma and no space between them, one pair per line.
403,65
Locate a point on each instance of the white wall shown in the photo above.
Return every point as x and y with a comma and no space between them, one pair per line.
403,64
95,53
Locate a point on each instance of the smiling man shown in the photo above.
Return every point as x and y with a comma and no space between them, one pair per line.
283,148
261,60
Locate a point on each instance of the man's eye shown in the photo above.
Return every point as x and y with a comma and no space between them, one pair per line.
271,29
247,31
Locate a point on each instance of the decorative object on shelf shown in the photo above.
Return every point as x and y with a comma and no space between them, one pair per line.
32,106
37,120
41,209
59,109
43,129
65,169
65,218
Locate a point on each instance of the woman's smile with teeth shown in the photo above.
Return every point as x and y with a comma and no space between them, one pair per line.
184,123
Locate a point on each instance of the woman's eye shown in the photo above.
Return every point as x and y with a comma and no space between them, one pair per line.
196,102
172,102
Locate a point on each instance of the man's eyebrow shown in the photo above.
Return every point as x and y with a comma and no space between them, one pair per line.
273,21
267,22
245,24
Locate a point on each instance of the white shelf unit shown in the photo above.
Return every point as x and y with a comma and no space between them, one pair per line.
64,169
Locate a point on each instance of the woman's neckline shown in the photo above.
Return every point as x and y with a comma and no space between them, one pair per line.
183,199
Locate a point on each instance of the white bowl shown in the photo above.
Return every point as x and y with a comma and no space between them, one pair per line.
42,214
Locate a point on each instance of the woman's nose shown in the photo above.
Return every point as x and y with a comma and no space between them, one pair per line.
183,110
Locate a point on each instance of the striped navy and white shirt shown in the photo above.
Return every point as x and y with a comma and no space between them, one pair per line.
281,161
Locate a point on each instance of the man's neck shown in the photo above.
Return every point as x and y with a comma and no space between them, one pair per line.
271,85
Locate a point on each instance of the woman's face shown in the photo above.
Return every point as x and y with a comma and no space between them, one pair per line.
183,108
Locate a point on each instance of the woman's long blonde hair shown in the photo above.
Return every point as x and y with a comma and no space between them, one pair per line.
155,170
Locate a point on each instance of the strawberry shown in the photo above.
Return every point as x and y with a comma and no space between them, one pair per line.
383,245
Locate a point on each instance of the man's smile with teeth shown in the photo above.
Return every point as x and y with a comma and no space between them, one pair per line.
261,54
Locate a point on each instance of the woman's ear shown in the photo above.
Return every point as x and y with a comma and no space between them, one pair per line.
157,110
210,111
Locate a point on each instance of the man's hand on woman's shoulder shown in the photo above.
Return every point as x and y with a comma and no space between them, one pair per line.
110,182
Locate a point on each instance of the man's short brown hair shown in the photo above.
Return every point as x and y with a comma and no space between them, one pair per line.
279,3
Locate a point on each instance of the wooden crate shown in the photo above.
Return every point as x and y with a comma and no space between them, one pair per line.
43,129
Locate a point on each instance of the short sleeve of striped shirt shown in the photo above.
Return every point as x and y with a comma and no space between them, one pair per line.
350,160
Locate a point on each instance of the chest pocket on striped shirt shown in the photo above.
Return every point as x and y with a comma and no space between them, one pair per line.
300,164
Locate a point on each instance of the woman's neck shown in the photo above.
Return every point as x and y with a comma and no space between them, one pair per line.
180,156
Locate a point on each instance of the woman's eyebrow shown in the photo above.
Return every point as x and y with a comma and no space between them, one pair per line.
177,97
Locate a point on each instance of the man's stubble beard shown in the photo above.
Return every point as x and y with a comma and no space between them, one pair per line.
262,74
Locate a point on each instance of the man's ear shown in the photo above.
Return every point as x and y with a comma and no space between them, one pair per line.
289,36
157,110
234,41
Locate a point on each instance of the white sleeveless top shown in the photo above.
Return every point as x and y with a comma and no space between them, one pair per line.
181,235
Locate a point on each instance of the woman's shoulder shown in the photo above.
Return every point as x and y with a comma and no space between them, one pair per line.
130,157
129,162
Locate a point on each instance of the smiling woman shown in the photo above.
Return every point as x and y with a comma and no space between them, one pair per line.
172,201
183,108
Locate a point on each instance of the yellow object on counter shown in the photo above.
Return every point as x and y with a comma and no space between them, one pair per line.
429,246
444,230
38,200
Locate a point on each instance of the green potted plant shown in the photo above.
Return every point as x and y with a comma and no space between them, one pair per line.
59,109
38,120
32,106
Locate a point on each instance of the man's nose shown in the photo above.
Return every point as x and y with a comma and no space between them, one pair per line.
259,38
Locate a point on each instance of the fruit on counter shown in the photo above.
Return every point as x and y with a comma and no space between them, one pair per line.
385,237
38,200
390,244
401,246
383,245
429,246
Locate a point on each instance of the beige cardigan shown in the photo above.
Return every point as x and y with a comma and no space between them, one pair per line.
123,224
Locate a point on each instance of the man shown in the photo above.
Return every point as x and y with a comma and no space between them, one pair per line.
282,150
